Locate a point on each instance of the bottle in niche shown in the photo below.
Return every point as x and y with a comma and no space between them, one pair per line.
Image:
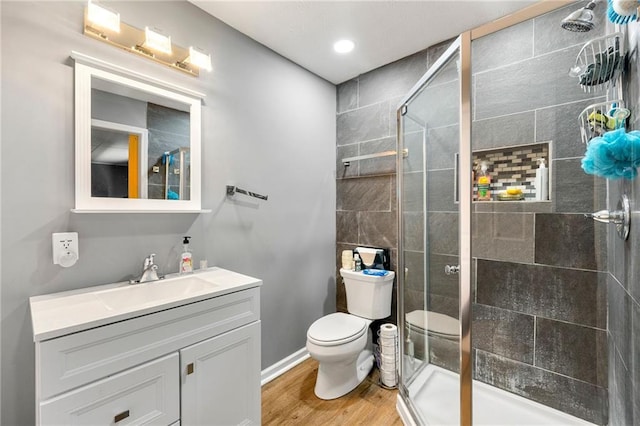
357,262
484,183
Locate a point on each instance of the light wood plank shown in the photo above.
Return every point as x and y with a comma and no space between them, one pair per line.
289,400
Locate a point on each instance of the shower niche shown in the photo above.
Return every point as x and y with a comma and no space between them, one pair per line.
516,173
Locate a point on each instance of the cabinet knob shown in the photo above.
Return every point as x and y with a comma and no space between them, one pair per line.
121,416
190,368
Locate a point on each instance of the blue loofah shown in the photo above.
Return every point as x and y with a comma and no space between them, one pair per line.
614,155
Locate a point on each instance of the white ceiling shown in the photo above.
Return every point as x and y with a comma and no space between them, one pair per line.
384,31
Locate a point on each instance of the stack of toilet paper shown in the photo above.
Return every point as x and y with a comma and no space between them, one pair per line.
388,343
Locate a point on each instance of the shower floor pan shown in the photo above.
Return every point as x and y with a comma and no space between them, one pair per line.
436,392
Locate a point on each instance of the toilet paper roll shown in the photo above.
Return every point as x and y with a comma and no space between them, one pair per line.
388,330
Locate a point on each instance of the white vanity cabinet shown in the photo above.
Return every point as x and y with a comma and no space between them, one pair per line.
196,363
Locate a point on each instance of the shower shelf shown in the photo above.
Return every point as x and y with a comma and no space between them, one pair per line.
599,63
347,161
596,119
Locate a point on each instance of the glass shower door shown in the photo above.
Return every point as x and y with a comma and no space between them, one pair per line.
429,128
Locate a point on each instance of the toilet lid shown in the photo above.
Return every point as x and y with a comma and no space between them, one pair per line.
336,329
434,322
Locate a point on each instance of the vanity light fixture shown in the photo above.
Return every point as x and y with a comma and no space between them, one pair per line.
104,24
343,46
198,58
103,17
155,40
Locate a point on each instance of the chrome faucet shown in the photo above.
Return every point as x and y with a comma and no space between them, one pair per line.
149,271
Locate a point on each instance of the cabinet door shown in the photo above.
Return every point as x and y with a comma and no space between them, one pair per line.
147,394
221,379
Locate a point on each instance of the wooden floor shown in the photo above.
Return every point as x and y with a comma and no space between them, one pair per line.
289,400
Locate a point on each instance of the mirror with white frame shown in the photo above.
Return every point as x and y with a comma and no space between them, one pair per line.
137,141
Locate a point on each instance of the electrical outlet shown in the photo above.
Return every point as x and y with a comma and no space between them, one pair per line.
65,248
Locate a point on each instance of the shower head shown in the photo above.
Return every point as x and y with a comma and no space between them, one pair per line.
581,20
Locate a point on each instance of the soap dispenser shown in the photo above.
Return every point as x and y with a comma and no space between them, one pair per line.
186,259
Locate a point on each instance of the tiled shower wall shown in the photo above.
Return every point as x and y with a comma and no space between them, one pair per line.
623,286
540,311
540,292
366,190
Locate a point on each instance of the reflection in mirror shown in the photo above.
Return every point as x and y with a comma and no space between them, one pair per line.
137,147
137,141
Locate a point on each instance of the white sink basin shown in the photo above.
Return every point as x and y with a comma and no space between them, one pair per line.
57,314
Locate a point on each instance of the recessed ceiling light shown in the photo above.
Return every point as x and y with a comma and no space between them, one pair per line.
343,46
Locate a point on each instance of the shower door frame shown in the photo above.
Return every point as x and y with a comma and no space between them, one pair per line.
465,186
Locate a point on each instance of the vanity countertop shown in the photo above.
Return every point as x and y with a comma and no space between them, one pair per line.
58,314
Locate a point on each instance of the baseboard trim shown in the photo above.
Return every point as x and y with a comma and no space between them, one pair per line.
284,365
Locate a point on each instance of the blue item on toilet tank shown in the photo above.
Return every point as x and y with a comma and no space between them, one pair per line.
375,272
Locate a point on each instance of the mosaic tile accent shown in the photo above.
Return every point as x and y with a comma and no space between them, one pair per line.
512,167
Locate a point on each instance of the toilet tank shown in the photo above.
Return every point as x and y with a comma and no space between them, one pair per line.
368,296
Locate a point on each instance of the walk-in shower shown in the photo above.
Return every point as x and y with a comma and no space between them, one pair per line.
507,293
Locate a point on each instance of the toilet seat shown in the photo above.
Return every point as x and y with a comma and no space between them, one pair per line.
336,329
434,323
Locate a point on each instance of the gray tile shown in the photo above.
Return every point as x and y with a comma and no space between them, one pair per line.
556,293
515,129
559,124
635,350
161,142
415,274
436,106
413,192
574,191
392,80
444,305
504,333
571,396
535,83
444,353
550,36
512,44
439,283
364,194
347,227
346,151
568,240
363,124
413,300
440,191
347,94
621,399
520,207
442,145
442,233
414,143
560,347
168,120
413,225
378,229
620,317
378,166
503,236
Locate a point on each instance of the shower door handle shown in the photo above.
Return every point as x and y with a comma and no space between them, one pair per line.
451,269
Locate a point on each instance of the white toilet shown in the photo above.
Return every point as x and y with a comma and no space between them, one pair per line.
342,342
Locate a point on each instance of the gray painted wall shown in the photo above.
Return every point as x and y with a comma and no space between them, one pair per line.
268,125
